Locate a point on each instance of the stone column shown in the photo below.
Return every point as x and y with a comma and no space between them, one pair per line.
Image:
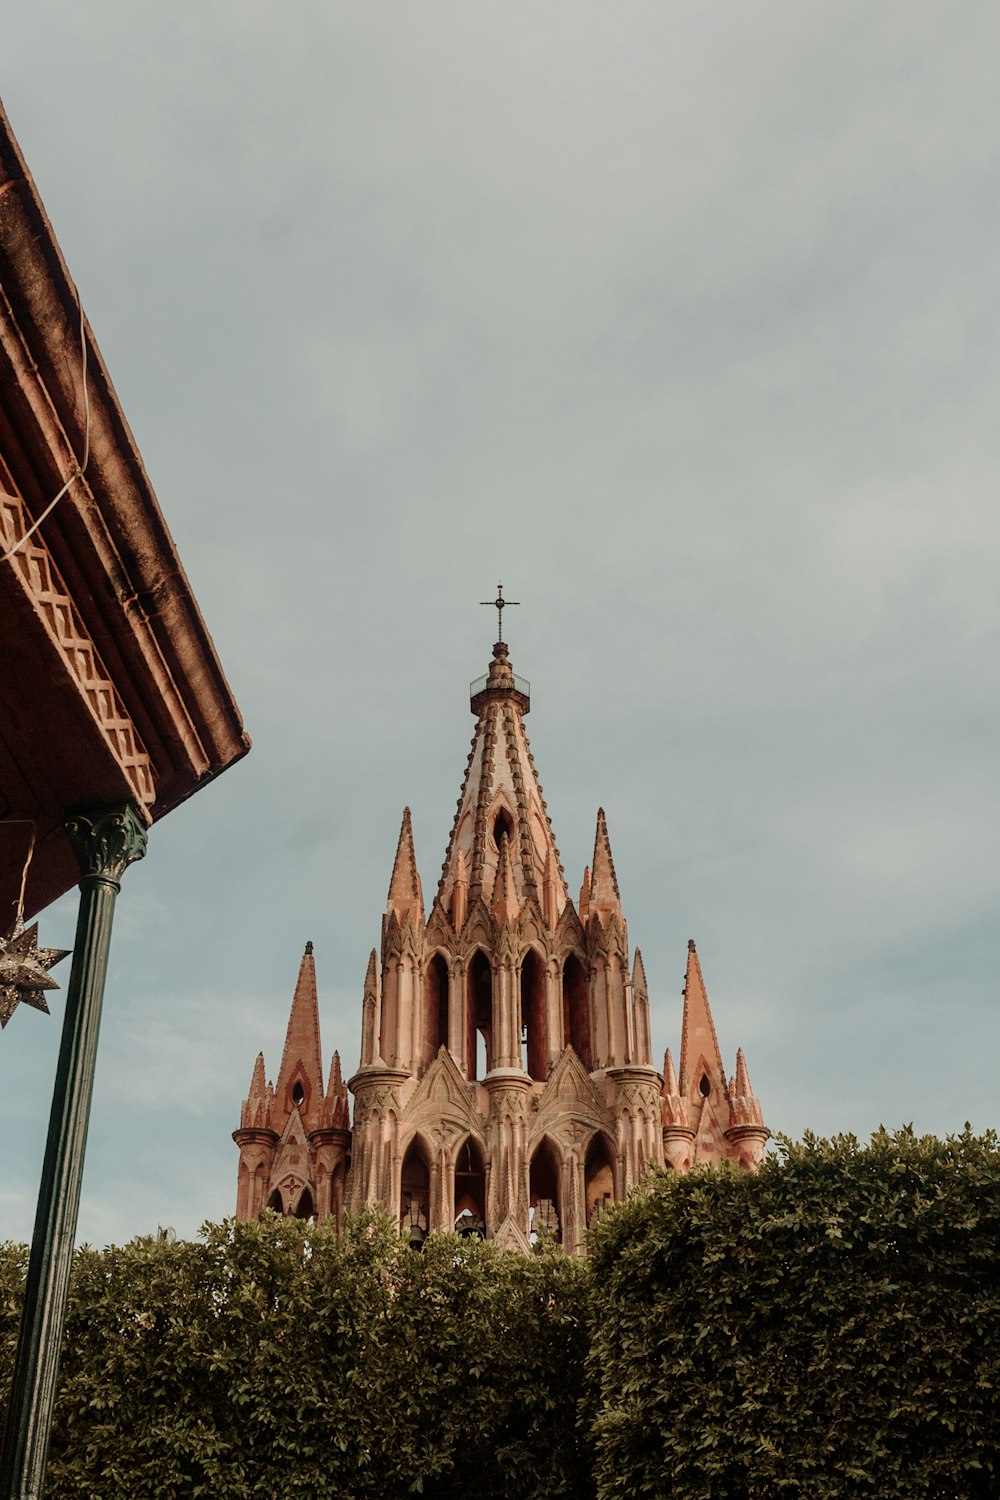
554,1012
105,842
456,1015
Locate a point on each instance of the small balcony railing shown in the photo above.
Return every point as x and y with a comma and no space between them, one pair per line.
521,685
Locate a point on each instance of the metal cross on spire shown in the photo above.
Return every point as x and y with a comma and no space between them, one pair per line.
499,604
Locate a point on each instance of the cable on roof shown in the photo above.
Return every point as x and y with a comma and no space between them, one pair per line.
81,467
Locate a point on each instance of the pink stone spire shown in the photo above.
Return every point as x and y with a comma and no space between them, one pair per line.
505,905
746,1134
699,1044
584,909
405,894
744,1107
605,898
500,793
336,1080
639,985
256,1105
337,1104
302,1060
258,1083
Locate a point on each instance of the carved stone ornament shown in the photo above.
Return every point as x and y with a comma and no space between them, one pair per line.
106,843
24,971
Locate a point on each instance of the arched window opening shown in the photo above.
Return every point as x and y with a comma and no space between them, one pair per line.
414,1196
599,1178
704,1087
305,1208
298,1093
533,1018
435,1009
503,824
576,1010
275,1202
470,1189
479,1012
544,1193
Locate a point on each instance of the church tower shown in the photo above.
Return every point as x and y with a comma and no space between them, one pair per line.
506,1079
294,1138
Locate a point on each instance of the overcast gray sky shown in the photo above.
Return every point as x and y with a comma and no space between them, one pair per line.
682,319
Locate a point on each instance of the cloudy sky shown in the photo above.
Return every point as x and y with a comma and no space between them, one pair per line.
682,319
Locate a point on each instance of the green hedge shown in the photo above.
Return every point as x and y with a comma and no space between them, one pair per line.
829,1327
280,1359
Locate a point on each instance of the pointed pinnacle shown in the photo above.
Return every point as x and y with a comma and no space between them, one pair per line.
336,1082
604,894
371,975
584,911
639,985
302,1040
669,1074
405,895
257,1084
741,1079
505,905
698,1037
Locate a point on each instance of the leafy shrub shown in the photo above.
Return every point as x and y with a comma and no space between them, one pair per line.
829,1327
278,1358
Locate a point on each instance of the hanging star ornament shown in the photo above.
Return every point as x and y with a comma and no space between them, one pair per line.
24,970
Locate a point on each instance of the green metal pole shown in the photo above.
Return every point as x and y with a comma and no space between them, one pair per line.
105,843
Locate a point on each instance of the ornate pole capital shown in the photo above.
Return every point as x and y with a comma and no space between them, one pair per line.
107,842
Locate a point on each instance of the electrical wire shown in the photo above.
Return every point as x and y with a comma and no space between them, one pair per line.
23,823
81,467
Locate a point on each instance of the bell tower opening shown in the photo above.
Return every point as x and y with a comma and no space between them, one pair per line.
305,1208
544,1192
576,1010
470,1189
414,1195
533,1018
599,1178
435,1010
479,1010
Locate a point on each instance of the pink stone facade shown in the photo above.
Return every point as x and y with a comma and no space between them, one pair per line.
506,1078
